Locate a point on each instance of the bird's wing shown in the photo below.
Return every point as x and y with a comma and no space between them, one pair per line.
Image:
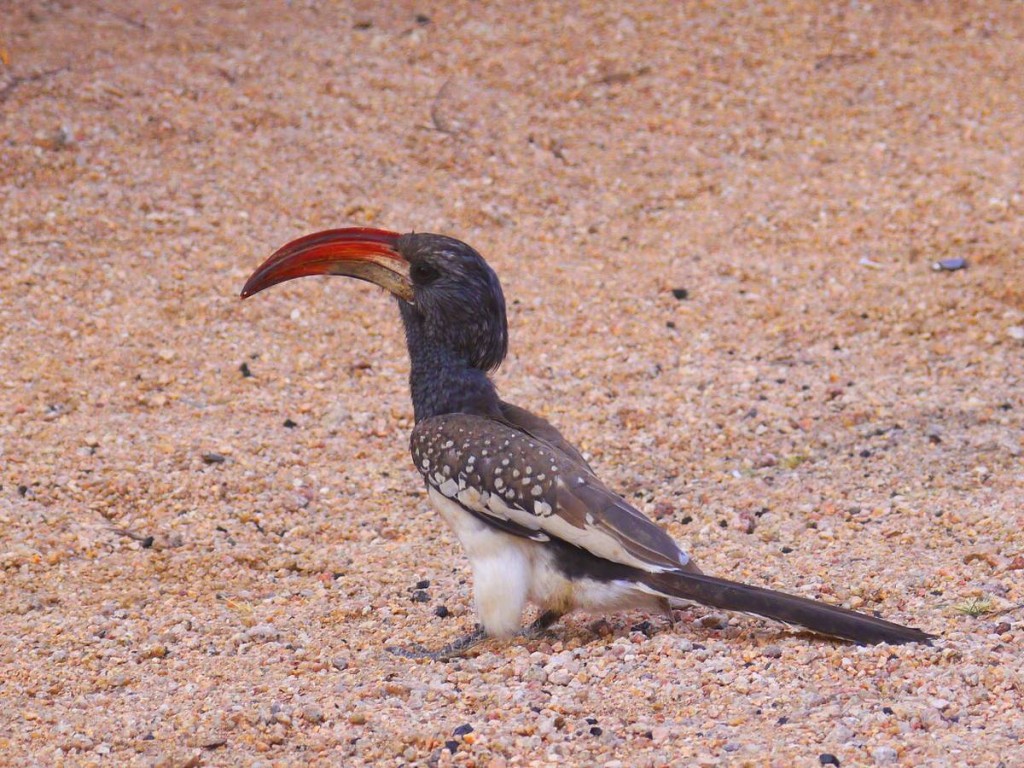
505,476
541,428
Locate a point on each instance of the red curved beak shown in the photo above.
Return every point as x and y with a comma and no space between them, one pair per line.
359,252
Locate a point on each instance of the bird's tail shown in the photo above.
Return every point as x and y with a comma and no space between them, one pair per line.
789,609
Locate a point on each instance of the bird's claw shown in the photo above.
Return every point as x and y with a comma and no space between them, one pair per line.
453,650
540,626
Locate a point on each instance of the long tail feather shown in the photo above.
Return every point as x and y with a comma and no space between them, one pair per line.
789,609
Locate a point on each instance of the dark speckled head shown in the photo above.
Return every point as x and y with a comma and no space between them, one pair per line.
458,303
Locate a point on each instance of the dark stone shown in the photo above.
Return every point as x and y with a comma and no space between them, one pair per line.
422,19
887,710
826,759
213,458
596,731
442,612
681,293
643,626
462,730
147,542
244,368
451,746
289,424
786,550
420,596
423,584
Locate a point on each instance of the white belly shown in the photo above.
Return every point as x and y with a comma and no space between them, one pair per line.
509,571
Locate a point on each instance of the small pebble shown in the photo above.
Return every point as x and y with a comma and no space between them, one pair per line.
826,758
660,734
559,677
156,651
644,626
263,632
949,265
840,734
312,713
884,755
715,621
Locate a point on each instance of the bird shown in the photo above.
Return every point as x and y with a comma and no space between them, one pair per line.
537,524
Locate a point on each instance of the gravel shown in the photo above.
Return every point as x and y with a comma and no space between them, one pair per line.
210,530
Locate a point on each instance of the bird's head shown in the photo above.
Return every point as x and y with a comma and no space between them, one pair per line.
446,291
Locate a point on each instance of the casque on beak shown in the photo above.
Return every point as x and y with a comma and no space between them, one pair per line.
359,252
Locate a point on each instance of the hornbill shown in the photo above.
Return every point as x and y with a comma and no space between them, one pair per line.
536,522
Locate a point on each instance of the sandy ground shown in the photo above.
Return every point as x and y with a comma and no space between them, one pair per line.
203,567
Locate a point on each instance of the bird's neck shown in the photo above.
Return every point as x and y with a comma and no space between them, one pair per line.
441,381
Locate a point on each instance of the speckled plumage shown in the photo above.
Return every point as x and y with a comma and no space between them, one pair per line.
527,487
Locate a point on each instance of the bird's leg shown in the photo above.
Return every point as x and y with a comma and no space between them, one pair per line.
666,607
453,650
541,624
460,647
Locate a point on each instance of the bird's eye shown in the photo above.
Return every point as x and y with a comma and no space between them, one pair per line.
423,273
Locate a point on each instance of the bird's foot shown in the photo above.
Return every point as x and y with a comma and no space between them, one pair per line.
540,625
453,650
